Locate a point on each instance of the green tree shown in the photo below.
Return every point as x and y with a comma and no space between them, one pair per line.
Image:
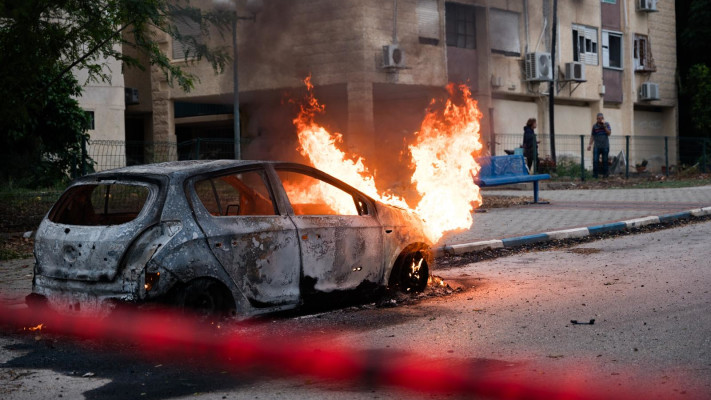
42,151
699,90
694,58
42,41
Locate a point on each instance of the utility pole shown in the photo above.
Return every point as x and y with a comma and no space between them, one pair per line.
552,87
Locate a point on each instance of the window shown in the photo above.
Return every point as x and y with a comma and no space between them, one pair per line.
312,196
585,44
503,31
612,50
236,194
642,54
189,38
90,121
610,1
100,204
461,25
428,21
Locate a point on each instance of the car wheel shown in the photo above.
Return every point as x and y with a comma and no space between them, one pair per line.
413,273
204,297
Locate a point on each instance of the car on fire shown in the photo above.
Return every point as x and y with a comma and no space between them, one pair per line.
220,237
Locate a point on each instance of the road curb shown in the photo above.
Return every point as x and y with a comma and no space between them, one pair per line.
569,233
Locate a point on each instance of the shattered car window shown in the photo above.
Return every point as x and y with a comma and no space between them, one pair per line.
311,196
100,204
244,193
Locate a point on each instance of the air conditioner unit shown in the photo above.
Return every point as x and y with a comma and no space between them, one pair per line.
131,96
393,56
649,91
575,71
647,5
538,67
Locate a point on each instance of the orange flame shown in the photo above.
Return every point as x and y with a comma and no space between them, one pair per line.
35,328
442,157
321,147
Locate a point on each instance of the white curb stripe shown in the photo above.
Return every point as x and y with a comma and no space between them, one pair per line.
634,223
568,234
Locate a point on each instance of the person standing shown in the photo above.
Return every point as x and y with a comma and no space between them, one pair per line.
600,136
529,142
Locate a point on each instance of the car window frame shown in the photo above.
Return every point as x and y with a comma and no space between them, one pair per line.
192,196
153,204
320,175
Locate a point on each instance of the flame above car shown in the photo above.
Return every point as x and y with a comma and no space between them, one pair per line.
442,156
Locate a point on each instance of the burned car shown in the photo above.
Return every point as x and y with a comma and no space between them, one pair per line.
222,236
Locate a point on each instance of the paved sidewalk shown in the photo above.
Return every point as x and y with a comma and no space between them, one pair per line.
15,281
576,208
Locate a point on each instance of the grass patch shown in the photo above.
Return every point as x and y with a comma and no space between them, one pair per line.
23,210
671,183
15,247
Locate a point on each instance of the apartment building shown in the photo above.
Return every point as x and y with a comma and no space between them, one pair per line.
104,102
376,64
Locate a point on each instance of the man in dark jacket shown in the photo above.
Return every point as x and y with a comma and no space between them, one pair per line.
600,136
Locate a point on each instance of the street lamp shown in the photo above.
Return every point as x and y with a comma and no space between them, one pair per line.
253,7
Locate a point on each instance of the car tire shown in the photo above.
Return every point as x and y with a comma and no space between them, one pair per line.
411,278
205,298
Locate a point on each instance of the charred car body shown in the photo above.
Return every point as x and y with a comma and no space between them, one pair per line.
220,236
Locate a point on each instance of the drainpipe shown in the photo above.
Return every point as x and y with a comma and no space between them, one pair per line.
551,90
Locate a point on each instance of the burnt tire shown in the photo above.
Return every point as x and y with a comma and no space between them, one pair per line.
412,273
206,298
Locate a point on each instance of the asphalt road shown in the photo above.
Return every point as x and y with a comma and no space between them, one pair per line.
648,293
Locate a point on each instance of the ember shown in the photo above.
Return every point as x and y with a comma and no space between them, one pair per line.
442,157
435,280
415,269
35,328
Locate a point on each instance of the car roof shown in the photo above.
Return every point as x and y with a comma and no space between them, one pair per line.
176,169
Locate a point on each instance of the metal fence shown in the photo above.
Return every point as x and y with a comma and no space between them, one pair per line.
655,154
109,154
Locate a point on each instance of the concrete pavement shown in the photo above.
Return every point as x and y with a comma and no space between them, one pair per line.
571,209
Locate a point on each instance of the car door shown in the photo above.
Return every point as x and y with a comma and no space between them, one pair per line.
256,246
340,238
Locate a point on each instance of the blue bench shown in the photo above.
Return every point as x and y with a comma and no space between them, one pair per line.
505,170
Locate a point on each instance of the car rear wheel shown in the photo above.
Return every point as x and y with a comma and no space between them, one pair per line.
205,297
412,273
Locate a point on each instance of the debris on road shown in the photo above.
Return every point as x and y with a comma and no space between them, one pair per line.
576,322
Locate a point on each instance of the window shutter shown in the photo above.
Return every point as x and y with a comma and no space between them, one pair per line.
591,57
186,28
503,31
428,19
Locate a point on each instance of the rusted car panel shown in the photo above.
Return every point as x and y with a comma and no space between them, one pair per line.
253,252
340,252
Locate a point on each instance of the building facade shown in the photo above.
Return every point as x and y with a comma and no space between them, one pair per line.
376,64
104,101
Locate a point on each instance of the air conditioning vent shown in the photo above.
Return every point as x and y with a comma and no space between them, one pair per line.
647,5
575,71
649,91
393,56
538,67
131,96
